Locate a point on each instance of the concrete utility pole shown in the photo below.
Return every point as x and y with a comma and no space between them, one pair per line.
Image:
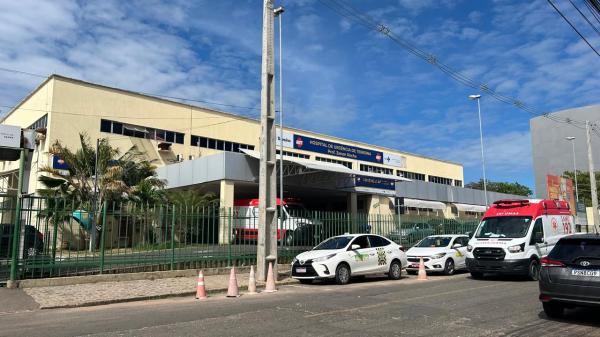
266,250
592,178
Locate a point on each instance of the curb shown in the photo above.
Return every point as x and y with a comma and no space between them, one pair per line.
156,297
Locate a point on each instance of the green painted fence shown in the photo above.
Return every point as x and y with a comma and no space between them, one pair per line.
56,238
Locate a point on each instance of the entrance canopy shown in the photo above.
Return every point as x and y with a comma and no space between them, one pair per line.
304,166
424,204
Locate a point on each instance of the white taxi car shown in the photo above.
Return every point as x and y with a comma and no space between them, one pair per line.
440,253
343,256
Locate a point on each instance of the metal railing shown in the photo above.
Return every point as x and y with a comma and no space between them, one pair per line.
54,236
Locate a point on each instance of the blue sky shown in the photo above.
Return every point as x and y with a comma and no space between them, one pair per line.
339,78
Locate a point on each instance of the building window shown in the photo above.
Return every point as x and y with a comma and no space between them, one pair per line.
376,169
335,161
458,183
411,175
218,144
293,154
139,131
440,180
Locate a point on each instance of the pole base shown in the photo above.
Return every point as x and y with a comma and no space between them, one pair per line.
12,284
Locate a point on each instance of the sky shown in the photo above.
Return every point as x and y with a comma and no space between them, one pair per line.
339,77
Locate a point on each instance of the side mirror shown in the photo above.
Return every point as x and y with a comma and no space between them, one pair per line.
456,245
539,237
354,247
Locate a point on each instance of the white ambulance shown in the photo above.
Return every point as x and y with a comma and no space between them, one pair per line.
514,235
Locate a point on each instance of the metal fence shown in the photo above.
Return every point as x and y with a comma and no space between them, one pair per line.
55,238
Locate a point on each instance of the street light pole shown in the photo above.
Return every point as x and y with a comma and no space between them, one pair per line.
478,98
277,12
592,178
572,140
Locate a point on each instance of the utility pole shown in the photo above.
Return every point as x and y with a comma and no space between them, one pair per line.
278,13
592,178
266,250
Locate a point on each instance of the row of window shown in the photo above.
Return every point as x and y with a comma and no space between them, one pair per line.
335,161
138,131
411,175
376,169
218,144
440,180
41,123
294,154
458,183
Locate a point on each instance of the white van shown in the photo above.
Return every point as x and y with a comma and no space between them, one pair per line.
297,226
514,235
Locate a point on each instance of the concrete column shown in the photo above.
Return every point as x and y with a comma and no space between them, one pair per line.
226,203
353,209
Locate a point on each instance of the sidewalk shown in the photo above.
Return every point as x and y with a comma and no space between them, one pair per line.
79,295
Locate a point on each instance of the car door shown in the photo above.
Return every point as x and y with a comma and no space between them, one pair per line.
460,253
383,251
364,259
538,232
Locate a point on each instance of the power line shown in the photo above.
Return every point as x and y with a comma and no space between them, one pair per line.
572,26
351,13
585,17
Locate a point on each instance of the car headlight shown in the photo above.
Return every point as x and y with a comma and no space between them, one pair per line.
517,248
294,260
323,258
438,256
469,248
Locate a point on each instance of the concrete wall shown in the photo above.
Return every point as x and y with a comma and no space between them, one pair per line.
552,153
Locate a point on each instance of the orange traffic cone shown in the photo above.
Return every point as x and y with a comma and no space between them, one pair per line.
233,291
422,273
200,290
251,282
270,286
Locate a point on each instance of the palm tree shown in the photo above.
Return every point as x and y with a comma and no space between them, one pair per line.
120,177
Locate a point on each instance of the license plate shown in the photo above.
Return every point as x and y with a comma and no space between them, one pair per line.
300,270
585,272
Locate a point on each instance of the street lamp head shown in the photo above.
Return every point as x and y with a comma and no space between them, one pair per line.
279,10
570,138
474,97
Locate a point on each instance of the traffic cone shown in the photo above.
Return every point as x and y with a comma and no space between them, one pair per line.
422,273
270,286
200,289
251,282
233,291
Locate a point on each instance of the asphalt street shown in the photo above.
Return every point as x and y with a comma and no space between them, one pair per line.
443,306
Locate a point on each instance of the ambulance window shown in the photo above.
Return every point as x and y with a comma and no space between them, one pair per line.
537,228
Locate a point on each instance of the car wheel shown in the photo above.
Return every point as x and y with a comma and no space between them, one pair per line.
553,309
305,281
395,272
342,274
449,267
476,275
534,270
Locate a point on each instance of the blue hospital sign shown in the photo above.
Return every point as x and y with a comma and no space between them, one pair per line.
381,183
335,149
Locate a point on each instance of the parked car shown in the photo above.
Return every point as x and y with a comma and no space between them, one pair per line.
440,253
33,243
409,234
570,274
343,256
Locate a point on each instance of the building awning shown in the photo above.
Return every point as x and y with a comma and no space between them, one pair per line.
424,204
470,208
328,167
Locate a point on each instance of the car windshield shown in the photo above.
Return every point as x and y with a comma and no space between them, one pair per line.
571,249
337,242
435,242
504,227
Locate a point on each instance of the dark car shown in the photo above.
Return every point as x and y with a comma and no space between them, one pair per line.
33,243
570,274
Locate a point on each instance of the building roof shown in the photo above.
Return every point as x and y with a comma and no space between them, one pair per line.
228,114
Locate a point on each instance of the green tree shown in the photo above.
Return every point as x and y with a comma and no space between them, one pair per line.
501,187
583,185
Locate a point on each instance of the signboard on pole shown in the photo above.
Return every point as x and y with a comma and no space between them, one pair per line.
10,136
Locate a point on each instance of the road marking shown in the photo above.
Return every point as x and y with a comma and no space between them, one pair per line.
402,300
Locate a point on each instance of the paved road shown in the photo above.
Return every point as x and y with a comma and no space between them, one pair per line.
456,306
